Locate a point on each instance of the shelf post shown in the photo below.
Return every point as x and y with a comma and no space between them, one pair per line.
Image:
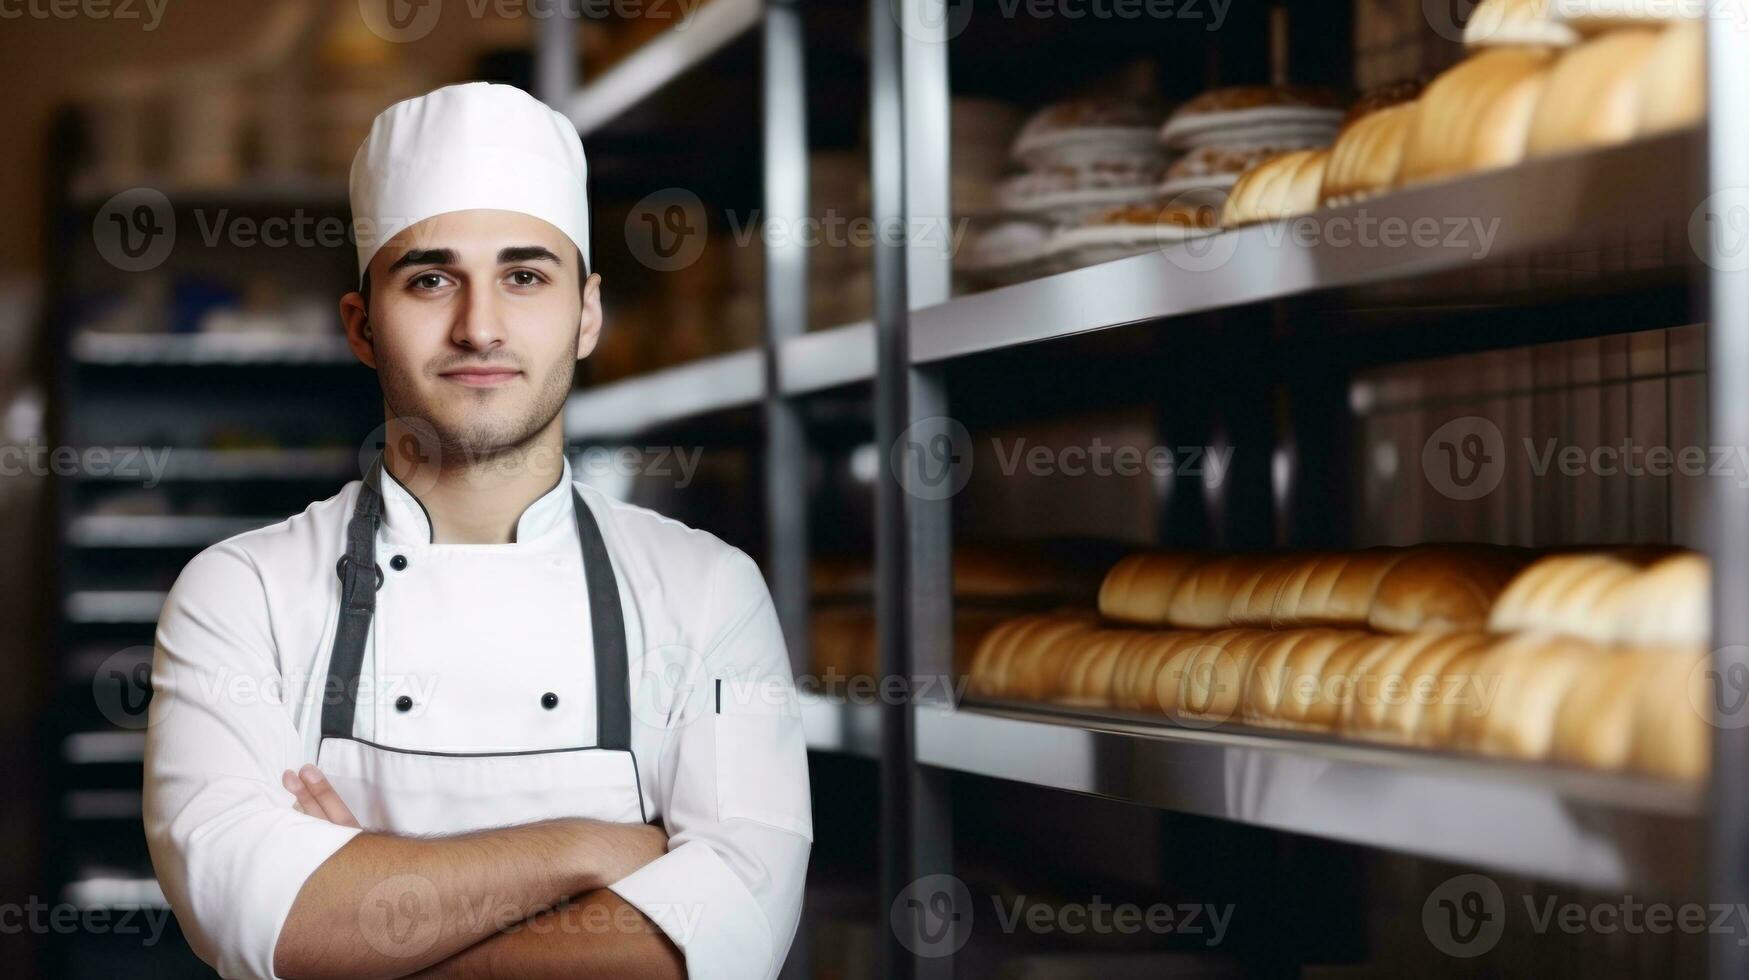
555,54
1727,184
785,124
910,180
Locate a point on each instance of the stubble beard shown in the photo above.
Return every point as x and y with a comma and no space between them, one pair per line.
473,436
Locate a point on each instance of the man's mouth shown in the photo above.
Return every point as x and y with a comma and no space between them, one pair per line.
481,377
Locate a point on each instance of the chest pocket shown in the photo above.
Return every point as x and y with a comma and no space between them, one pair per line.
762,760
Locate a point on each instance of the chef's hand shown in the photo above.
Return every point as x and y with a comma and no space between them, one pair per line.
316,796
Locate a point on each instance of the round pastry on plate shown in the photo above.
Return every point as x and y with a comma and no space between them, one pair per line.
1082,132
1253,114
1130,230
1065,195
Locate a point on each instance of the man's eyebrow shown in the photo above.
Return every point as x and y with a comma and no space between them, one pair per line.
425,256
528,253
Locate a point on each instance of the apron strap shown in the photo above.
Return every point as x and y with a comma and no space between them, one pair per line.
358,604
613,701
360,577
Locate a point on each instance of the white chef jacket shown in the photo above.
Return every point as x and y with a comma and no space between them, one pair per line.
241,663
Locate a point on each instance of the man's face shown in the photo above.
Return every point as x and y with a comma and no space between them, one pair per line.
476,323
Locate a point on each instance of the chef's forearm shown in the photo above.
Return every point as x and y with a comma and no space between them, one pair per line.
598,935
386,906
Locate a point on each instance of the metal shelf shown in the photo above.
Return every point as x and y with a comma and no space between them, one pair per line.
114,606
92,347
104,747
1589,829
240,464
663,59
637,404
156,531
1581,200
827,359
833,724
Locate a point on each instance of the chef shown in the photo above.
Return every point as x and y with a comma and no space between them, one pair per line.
467,717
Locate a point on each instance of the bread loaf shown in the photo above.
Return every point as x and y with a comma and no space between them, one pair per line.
1085,679
1035,668
1139,588
1334,590
1594,728
1444,587
1215,675
1421,687
1476,115
1159,680
1465,694
1672,730
1267,679
1673,80
1204,595
1499,23
1381,684
1367,155
1532,673
1327,698
1668,604
1593,92
1561,592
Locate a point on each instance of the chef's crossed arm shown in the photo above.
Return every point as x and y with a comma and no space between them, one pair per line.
241,860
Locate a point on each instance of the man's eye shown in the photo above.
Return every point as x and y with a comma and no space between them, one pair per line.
524,277
429,280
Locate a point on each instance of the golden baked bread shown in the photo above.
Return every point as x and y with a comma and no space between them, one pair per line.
1498,23
1444,587
1282,186
1561,593
1320,706
1476,115
1672,737
1333,590
1530,675
1594,728
1380,684
1421,688
1035,667
1367,154
1673,80
1593,94
1668,604
1202,597
1214,678
1139,588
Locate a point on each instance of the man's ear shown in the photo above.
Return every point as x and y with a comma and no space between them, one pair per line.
358,330
589,327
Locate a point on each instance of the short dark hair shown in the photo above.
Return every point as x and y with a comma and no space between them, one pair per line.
582,280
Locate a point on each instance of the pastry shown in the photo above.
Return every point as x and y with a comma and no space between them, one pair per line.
1476,115
1673,80
1498,23
1367,155
1592,97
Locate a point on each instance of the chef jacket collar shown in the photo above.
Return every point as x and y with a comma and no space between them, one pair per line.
406,521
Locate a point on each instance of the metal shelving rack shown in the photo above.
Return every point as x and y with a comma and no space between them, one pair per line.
1578,828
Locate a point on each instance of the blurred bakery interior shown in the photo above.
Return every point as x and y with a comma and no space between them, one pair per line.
1270,467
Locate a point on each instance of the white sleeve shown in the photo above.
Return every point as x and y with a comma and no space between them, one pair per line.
229,850
733,779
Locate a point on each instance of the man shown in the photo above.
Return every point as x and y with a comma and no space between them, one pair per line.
466,718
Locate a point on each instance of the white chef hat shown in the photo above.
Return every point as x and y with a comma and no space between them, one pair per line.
460,147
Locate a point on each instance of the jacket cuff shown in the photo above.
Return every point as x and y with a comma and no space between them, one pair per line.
298,851
693,897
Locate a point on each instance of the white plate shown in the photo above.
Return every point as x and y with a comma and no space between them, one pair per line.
1181,133
1088,145
1069,207
1075,248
